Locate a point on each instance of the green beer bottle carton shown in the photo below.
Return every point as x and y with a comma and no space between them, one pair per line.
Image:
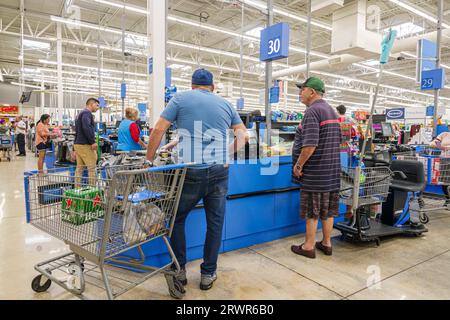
83,205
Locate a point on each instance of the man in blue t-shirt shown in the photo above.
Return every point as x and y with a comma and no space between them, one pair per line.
203,120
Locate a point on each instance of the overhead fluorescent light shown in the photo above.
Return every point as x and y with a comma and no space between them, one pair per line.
36,44
119,5
1,77
406,29
25,85
417,12
371,63
94,26
255,32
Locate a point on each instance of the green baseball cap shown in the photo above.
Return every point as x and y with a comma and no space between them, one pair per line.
313,83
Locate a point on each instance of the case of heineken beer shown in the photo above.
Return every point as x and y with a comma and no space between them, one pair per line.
83,205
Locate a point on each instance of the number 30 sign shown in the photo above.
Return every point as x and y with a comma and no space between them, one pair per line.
275,42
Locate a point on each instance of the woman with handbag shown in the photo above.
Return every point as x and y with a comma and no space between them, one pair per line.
43,137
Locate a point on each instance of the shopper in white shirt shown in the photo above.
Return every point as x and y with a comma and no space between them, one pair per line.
21,131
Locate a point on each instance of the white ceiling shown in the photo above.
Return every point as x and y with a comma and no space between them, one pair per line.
189,47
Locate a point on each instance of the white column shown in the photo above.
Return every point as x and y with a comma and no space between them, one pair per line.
156,21
60,80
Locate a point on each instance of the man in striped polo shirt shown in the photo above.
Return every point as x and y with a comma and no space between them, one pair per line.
316,160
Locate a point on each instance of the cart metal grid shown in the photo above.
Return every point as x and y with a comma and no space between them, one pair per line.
6,146
373,188
436,164
122,209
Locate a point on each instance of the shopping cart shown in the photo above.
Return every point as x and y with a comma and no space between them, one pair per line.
101,221
373,189
436,164
6,145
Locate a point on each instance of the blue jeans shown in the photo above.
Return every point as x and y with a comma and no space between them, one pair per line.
211,185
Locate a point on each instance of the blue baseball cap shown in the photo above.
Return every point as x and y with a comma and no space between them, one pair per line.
202,77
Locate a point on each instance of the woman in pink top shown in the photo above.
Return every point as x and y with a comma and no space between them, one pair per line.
42,137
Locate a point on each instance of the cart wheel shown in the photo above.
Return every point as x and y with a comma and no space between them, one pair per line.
176,288
72,268
377,242
36,284
424,218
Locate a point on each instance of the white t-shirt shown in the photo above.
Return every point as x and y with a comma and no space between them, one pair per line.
21,127
442,141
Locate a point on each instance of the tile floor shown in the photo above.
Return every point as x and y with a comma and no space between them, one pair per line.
407,268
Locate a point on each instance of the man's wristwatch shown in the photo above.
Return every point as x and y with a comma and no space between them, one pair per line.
148,163
298,167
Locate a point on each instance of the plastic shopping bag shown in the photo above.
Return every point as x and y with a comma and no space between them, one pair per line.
141,221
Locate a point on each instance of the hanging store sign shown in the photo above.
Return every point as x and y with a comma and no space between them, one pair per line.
274,42
168,77
395,114
274,95
102,102
9,109
240,104
432,79
426,54
150,65
142,107
123,90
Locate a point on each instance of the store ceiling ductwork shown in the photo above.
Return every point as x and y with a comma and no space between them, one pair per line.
357,44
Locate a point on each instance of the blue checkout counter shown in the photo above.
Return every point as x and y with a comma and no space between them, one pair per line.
259,208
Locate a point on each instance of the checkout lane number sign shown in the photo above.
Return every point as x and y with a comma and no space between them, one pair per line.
395,114
275,42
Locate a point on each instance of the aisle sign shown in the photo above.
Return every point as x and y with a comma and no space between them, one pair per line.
430,111
142,107
102,102
426,57
123,90
168,77
432,79
240,104
274,42
150,65
395,114
274,95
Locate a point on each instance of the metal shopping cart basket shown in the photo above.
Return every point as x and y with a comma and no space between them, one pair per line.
373,189
6,145
100,221
436,164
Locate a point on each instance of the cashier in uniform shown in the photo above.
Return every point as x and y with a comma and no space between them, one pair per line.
129,134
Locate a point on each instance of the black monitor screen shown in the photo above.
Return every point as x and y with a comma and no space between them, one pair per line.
25,97
118,124
387,129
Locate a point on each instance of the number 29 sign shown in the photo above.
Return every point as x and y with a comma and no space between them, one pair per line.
275,42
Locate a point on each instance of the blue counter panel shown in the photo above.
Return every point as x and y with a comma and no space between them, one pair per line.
250,177
432,188
261,237
287,206
249,215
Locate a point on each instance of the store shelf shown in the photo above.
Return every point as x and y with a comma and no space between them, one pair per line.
283,122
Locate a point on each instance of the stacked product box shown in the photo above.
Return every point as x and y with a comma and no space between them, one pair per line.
83,205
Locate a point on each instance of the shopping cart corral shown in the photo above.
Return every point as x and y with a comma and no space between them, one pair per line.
388,186
124,208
